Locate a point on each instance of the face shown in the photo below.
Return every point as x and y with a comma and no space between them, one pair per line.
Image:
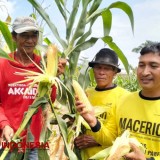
26,41
148,72
104,75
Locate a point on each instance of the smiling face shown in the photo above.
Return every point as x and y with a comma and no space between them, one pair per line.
148,73
104,75
26,41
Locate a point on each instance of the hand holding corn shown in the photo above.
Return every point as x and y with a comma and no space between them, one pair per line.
61,66
136,153
88,116
123,145
83,105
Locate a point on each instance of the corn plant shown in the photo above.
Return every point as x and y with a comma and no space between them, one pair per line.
79,23
128,81
78,38
78,35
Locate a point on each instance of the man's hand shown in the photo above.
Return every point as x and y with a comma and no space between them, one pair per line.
136,153
7,133
61,66
87,115
85,141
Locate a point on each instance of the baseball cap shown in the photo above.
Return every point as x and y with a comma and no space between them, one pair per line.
24,24
106,56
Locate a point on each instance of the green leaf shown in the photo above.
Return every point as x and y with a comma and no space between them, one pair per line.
72,18
85,45
102,154
120,54
3,54
7,36
74,54
107,21
94,6
45,16
39,101
63,128
126,8
47,41
43,153
87,34
58,2
95,14
84,79
79,31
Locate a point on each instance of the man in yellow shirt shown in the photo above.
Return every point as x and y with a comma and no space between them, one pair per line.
138,111
106,93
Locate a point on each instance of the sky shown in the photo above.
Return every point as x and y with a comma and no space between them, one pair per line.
146,24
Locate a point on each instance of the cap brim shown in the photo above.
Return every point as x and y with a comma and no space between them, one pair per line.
91,64
26,29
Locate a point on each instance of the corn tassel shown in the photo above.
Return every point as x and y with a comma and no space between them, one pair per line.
81,95
52,60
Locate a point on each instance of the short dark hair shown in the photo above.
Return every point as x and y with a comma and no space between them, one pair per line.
13,33
152,48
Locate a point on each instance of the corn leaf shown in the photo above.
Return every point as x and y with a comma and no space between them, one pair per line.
43,153
85,45
81,23
7,36
120,5
94,6
126,8
72,18
74,54
3,54
87,34
97,13
107,22
102,154
45,16
62,11
120,54
63,129
47,41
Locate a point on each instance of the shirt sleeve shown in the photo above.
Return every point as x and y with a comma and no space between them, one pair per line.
107,132
3,119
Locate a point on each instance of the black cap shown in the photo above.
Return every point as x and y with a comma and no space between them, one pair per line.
106,56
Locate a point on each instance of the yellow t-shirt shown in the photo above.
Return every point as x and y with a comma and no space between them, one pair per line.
107,98
141,115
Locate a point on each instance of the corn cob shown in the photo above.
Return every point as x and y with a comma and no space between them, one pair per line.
81,95
52,60
121,146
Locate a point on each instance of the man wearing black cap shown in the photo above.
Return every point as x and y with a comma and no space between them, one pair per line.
105,67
